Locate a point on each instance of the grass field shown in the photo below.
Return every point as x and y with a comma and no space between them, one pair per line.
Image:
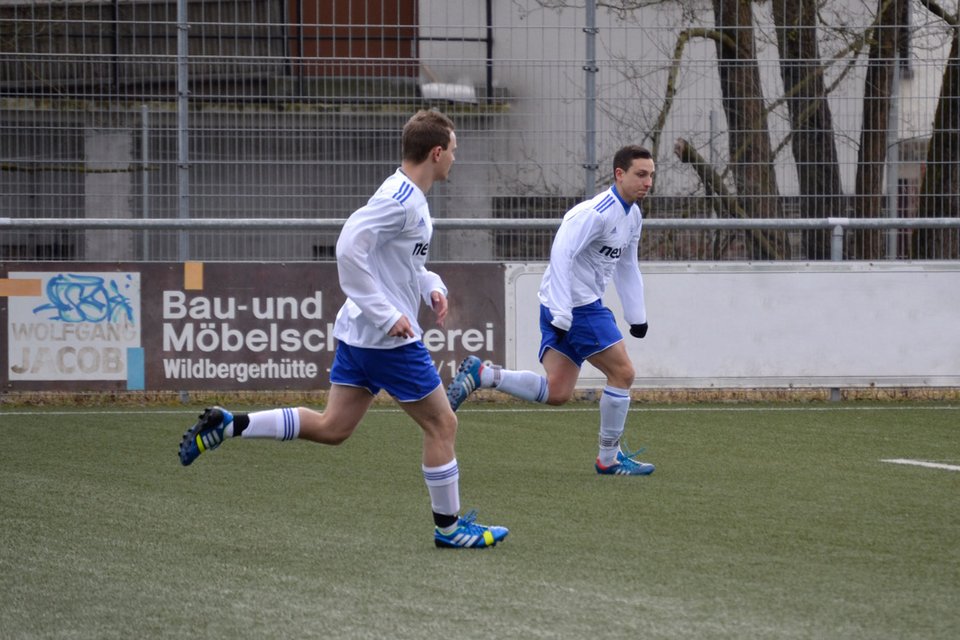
760,522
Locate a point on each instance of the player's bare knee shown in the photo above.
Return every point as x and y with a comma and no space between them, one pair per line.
442,427
335,434
622,377
449,425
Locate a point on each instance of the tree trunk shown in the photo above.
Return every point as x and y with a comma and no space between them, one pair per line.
812,140
940,188
871,158
751,156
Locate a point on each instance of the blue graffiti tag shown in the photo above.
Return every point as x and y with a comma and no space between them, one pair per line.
83,298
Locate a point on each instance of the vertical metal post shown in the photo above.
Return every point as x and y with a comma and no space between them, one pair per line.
590,101
836,243
145,176
893,159
713,135
715,235
301,55
489,50
116,46
183,137
836,253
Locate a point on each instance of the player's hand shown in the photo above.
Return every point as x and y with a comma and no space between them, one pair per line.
439,303
638,330
401,328
561,333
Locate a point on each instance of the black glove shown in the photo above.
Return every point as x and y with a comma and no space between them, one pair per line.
638,330
561,333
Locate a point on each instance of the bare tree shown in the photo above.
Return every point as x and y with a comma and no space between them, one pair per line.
751,158
940,188
747,185
812,136
872,154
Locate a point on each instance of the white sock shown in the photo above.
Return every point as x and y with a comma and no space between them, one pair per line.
489,376
281,424
614,404
228,430
525,385
443,483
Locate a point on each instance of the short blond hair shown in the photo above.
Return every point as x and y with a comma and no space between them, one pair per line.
425,130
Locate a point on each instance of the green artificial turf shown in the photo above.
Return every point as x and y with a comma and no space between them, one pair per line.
760,522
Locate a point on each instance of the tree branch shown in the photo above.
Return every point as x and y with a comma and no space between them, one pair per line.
682,39
688,154
934,7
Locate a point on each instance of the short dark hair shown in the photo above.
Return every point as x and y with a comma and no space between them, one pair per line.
425,130
623,158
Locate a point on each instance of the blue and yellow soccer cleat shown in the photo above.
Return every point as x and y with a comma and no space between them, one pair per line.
205,435
625,466
465,382
469,535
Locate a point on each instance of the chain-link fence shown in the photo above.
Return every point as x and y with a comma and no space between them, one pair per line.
227,109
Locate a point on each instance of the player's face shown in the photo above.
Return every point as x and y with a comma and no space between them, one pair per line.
445,158
634,183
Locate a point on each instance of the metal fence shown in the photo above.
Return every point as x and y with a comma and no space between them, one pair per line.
225,110
107,232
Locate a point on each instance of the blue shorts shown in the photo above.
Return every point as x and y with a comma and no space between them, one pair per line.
407,372
593,329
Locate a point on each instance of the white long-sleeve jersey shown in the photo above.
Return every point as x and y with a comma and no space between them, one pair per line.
597,241
381,253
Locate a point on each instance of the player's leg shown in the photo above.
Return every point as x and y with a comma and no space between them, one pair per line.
525,385
614,401
345,408
442,474
473,374
555,388
561,354
351,395
562,376
615,364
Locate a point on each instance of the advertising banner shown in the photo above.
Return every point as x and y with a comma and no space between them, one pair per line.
209,326
79,326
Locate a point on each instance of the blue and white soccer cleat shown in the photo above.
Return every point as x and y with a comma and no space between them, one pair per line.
625,466
205,435
469,535
465,382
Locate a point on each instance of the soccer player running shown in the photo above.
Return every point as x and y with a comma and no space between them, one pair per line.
381,254
597,241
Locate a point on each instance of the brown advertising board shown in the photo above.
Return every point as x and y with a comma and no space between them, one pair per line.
208,326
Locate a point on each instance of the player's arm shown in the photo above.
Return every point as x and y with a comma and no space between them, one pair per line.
364,230
433,292
576,233
629,283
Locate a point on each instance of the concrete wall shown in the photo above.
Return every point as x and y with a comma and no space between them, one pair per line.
730,325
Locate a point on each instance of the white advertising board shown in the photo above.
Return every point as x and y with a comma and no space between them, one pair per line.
730,325
82,326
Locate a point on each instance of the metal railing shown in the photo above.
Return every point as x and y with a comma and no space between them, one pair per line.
838,227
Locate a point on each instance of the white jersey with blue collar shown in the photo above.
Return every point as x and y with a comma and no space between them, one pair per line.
597,241
381,257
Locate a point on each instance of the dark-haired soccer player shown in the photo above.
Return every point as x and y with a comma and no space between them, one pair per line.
597,241
381,253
